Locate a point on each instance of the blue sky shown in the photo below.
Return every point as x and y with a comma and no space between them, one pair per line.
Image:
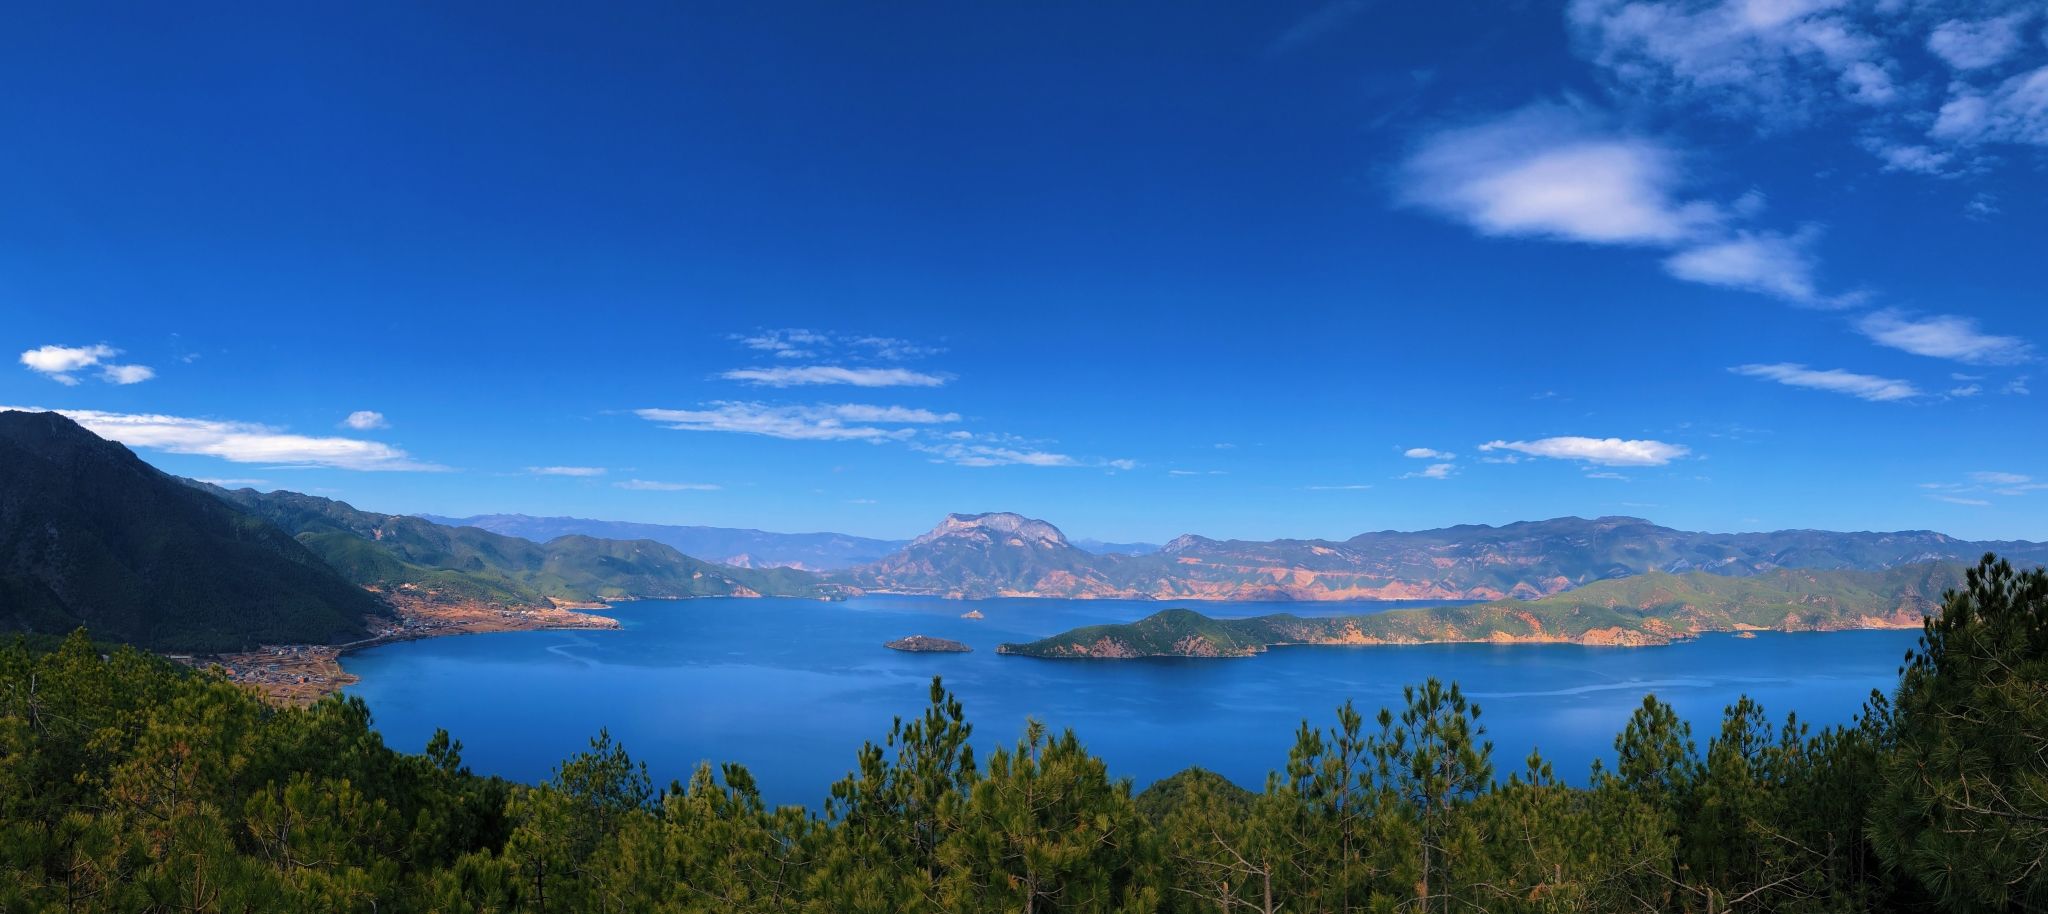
1246,270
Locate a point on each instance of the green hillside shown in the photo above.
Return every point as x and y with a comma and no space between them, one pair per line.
411,555
91,535
1647,609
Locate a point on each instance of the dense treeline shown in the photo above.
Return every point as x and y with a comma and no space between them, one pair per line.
127,784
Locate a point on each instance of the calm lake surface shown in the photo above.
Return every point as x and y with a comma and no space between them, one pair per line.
791,688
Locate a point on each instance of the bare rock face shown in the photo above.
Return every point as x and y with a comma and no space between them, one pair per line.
999,526
925,644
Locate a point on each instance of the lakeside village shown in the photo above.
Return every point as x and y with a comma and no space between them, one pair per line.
300,674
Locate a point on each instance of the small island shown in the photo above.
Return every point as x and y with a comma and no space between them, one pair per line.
925,644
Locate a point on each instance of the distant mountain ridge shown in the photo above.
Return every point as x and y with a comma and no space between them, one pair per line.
991,555
1643,610
739,547
412,555
91,535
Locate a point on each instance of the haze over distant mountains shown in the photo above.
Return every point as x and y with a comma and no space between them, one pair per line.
728,545
1000,554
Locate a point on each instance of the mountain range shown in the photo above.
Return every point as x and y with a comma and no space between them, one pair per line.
734,546
408,555
1007,555
1646,609
90,534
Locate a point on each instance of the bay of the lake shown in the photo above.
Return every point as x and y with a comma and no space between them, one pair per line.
791,688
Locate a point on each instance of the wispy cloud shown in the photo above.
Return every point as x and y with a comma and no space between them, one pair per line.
1614,452
1766,263
1788,62
1433,471
126,374
364,420
648,485
1321,21
806,375
1427,453
1959,500
789,344
984,455
1944,336
793,343
2001,479
1775,62
1974,44
821,422
241,442
1835,380
566,471
63,363
1986,482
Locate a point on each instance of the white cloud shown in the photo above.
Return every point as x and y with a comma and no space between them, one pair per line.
797,376
1427,453
1547,171
1762,262
988,455
66,359
1910,157
860,412
2015,111
1967,390
1613,452
61,363
1993,477
646,485
1868,387
1433,471
1607,474
1957,500
1944,336
1776,60
1869,84
240,442
2010,485
566,471
789,344
1775,63
822,422
363,420
1976,44
805,344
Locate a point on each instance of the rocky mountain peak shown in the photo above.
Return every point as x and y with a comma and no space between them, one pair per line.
995,524
1185,542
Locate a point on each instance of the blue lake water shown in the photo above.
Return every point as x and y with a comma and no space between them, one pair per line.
791,688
